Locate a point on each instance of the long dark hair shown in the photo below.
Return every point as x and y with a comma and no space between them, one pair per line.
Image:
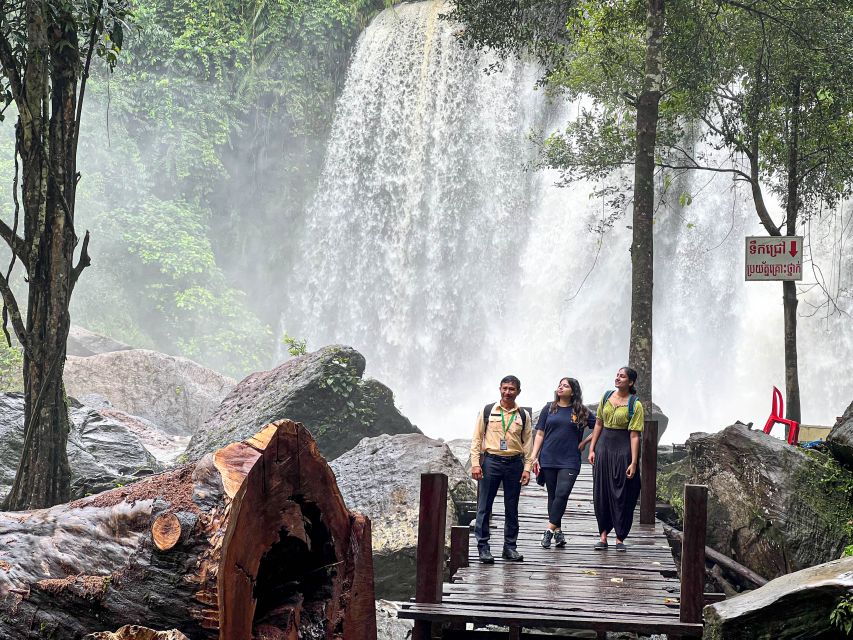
632,376
578,407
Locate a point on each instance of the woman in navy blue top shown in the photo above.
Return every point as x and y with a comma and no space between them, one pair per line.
556,451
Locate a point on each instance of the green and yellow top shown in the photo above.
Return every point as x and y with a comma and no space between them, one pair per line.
617,417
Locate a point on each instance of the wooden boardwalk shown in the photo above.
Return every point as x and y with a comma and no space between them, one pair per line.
572,587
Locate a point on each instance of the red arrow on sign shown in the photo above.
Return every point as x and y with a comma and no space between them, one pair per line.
793,248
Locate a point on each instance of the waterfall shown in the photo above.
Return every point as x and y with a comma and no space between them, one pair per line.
434,248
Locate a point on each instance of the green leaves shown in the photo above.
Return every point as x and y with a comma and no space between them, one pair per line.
841,616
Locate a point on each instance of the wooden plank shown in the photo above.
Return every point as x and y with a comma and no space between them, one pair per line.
484,614
693,552
649,472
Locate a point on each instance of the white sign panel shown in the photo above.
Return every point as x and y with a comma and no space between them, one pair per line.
774,258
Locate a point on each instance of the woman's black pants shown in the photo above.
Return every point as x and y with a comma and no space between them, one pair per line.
559,483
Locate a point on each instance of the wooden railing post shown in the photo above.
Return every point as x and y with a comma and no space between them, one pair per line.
693,552
432,518
649,472
459,537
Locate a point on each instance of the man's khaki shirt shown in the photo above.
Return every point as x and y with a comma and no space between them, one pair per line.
519,439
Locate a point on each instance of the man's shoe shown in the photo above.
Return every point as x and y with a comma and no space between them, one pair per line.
512,555
600,546
546,539
559,539
486,557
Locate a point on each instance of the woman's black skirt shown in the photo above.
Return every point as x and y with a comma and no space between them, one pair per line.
613,494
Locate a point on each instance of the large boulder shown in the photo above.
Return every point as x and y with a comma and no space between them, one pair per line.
175,393
461,448
797,605
772,507
381,478
324,390
82,342
103,452
840,439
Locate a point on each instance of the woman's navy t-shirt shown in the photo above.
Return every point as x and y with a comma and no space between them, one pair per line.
562,436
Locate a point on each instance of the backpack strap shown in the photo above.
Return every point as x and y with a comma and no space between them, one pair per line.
607,395
632,401
488,410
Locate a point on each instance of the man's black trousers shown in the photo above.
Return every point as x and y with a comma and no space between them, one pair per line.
497,470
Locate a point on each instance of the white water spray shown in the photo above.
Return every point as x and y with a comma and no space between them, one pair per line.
434,251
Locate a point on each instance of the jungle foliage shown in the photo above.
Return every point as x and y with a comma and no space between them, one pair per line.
197,154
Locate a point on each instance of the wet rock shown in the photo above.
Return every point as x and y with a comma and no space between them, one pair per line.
772,507
840,439
324,390
82,342
175,393
165,447
102,451
461,449
388,625
381,478
669,453
797,605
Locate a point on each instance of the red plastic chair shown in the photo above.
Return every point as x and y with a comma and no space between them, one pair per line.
776,413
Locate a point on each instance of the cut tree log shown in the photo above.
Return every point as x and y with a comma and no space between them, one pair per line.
252,542
133,632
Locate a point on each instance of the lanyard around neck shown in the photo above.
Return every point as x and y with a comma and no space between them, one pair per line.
503,420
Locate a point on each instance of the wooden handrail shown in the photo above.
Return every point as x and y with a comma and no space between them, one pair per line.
649,472
721,559
693,552
432,519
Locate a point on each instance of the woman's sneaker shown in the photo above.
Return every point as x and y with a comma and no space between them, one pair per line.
546,539
559,539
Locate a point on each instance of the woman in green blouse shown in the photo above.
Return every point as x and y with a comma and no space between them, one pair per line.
614,452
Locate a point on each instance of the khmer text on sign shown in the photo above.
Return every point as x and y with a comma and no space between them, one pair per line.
774,258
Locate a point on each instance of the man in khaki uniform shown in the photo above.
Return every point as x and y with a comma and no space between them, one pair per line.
501,454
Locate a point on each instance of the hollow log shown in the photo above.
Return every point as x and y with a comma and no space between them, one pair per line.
253,542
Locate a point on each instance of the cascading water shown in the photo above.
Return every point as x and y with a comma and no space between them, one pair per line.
432,249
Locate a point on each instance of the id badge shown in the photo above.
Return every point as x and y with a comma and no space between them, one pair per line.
504,446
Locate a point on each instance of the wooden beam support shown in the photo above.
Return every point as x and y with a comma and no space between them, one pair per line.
693,552
649,472
432,520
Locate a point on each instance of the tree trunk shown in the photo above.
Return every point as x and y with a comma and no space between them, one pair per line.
252,542
49,184
789,288
642,247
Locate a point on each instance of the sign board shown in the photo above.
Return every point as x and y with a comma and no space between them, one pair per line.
774,258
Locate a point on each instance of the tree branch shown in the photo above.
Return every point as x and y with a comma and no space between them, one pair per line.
85,76
699,167
83,262
15,242
10,310
10,67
